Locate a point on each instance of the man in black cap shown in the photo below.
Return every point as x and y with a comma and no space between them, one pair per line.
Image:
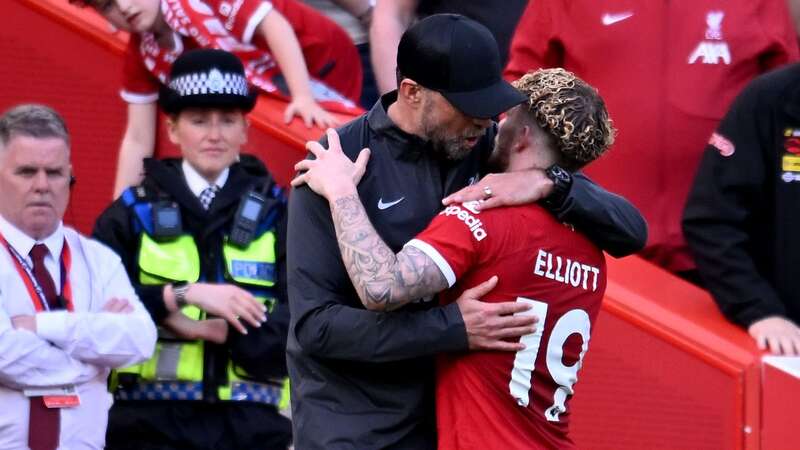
202,239
364,379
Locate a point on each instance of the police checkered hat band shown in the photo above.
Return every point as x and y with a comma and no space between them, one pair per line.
207,78
211,82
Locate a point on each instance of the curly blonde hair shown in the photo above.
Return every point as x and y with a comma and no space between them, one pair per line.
571,112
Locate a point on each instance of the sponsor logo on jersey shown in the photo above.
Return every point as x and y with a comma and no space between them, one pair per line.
565,270
472,206
722,144
465,215
713,48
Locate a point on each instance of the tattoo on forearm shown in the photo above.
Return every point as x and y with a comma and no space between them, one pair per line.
382,279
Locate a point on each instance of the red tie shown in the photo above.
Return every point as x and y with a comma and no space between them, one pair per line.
43,424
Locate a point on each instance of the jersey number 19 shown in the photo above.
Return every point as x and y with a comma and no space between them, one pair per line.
571,322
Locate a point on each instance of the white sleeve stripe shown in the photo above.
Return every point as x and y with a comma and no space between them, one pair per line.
139,99
437,258
255,19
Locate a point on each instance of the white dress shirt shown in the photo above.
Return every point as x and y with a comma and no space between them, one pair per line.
197,184
69,348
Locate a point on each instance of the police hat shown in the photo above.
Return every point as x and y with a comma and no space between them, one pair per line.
207,78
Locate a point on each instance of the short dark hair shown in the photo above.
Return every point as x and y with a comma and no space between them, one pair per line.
32,120
571,112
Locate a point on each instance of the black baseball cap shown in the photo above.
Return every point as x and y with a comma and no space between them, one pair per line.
457,57
207,78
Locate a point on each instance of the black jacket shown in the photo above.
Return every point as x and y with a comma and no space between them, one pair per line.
364,379
262,351
742,214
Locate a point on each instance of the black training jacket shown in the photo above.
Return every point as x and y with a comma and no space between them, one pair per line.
742,214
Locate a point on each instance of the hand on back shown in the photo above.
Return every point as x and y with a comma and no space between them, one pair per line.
332,174
512,188
494,326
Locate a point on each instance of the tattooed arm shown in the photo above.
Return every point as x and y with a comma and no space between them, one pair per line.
383,280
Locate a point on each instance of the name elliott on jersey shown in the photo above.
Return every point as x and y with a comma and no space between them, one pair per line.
566,271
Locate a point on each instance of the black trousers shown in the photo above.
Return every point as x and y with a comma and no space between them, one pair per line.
186,425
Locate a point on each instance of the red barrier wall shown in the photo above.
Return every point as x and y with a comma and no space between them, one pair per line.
665,370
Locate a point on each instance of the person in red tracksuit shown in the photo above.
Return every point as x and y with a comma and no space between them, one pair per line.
668,71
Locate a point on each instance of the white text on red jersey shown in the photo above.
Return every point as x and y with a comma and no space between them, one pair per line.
565,270
467,215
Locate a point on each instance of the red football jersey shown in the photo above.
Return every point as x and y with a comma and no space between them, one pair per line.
500,400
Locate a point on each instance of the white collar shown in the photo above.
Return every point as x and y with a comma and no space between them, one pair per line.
197,184
23,243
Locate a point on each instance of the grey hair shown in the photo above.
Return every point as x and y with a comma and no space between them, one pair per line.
32,120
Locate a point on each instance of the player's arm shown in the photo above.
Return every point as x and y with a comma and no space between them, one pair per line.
384,280
325,318
610,221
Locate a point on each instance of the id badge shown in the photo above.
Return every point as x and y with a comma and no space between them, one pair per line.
56,397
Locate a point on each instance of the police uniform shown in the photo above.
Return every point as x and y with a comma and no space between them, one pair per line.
198,394
742,214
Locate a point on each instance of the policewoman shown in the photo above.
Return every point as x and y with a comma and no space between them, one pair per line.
202,239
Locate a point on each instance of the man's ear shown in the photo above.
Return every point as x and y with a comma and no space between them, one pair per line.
524,139
411,91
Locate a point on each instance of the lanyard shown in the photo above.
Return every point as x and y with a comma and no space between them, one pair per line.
34,289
